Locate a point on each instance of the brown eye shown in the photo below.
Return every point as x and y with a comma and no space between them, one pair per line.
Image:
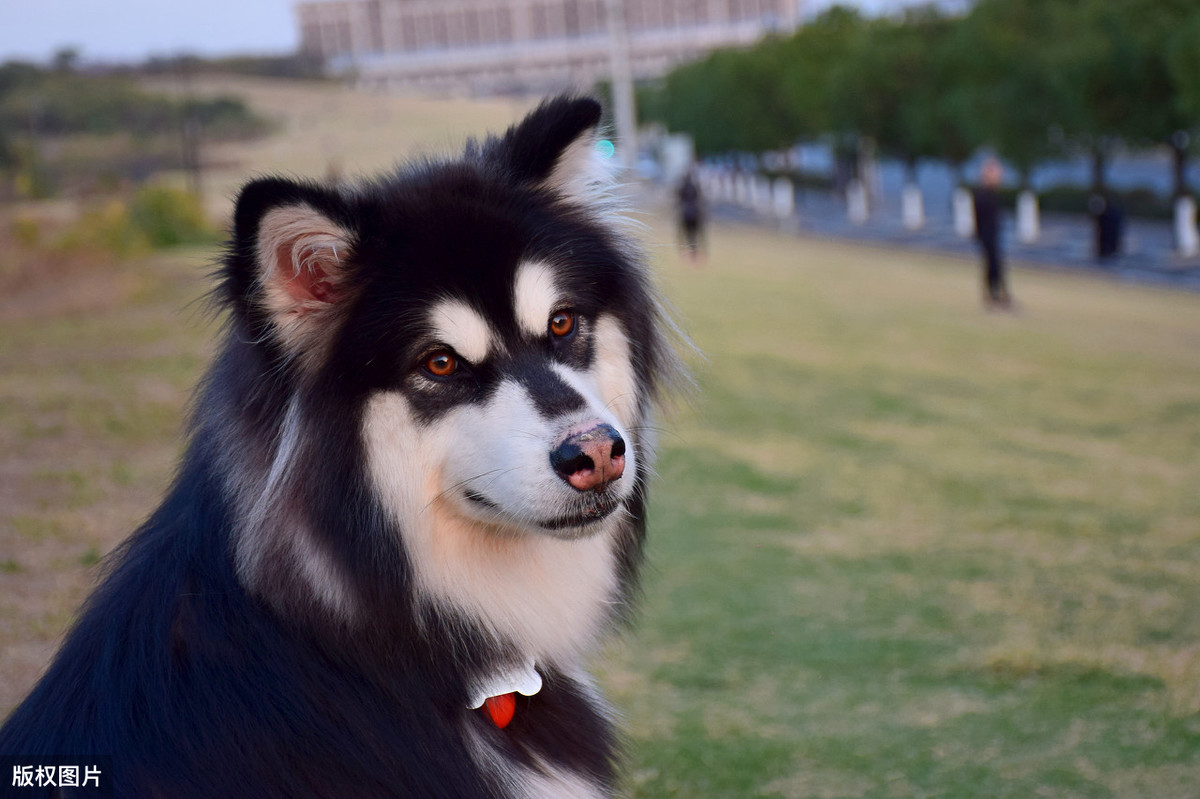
562,324
441,364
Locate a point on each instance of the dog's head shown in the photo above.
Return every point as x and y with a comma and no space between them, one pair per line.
482,321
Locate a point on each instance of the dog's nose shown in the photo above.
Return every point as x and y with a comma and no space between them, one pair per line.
591,458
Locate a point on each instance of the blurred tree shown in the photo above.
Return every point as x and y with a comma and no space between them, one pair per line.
875,82
1172,94
65,60
1183,63
16,75
77,103
1116,61
954,100
8,165
810,58
1183,67
1016,89
731,100
759,99
1030,77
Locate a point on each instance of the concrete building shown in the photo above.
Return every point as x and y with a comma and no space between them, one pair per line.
490,46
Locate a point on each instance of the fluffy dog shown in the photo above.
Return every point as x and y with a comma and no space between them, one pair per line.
413,499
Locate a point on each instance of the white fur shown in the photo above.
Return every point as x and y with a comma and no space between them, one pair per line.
535,296
611,399
261,499
322,573
549,782
460,326
613,372
547,595
270,515
501,452
583,175
548,591
542,781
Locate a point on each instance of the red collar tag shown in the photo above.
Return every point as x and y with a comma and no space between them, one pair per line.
497,694
500,709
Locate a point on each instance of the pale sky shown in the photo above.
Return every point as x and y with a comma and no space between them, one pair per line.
131,30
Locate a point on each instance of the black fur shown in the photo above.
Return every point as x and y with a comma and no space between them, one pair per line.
199,685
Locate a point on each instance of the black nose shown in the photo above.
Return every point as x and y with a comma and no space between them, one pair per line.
590,458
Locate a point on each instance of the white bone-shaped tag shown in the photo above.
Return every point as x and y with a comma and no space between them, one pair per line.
523,680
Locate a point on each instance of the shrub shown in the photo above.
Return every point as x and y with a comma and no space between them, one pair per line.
105,227
27,231
155,217
169,217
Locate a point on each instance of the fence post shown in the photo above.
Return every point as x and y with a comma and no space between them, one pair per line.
912,207
762,195
856,202
1187,240
964,213
1028,224
784,197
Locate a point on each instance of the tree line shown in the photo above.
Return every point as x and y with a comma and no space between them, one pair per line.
1031,79
62,126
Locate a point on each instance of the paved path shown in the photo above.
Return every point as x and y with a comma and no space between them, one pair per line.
1066,241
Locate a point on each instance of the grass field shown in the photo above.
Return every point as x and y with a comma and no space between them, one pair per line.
900,546
903,547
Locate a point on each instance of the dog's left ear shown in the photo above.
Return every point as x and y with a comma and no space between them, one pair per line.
554,147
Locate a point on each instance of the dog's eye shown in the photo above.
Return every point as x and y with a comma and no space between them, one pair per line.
441,364
562,324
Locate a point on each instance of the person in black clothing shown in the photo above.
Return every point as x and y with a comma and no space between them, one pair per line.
1109,218
690,214
987,231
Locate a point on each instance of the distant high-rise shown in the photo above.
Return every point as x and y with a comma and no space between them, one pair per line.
485,46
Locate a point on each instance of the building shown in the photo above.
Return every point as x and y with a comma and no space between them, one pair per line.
490,46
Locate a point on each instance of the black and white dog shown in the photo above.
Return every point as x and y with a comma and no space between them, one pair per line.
413,501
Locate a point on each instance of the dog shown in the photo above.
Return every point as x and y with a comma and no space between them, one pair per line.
412,502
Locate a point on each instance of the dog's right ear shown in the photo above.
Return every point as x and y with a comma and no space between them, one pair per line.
293,251
554,147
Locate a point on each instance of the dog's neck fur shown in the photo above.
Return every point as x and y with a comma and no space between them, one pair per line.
551,598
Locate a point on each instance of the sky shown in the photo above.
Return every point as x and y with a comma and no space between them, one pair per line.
132,30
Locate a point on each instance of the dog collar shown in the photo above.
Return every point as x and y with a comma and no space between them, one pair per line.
498,694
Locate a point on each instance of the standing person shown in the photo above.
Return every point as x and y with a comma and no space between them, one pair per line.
987,231
691,214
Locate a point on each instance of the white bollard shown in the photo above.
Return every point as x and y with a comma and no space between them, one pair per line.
724,191
856,202
751,192
762,195
912,207
741,190
1029,227
1187,238
783,198
964,213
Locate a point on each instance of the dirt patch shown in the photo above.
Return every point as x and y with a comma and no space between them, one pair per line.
62,290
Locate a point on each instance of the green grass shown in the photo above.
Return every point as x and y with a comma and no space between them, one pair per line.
899,546
902,547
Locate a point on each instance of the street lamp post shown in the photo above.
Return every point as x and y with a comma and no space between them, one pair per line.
624,114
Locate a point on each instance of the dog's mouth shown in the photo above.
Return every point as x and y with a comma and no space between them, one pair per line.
586,511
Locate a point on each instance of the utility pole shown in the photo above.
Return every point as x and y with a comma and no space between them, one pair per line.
189,128
622,83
